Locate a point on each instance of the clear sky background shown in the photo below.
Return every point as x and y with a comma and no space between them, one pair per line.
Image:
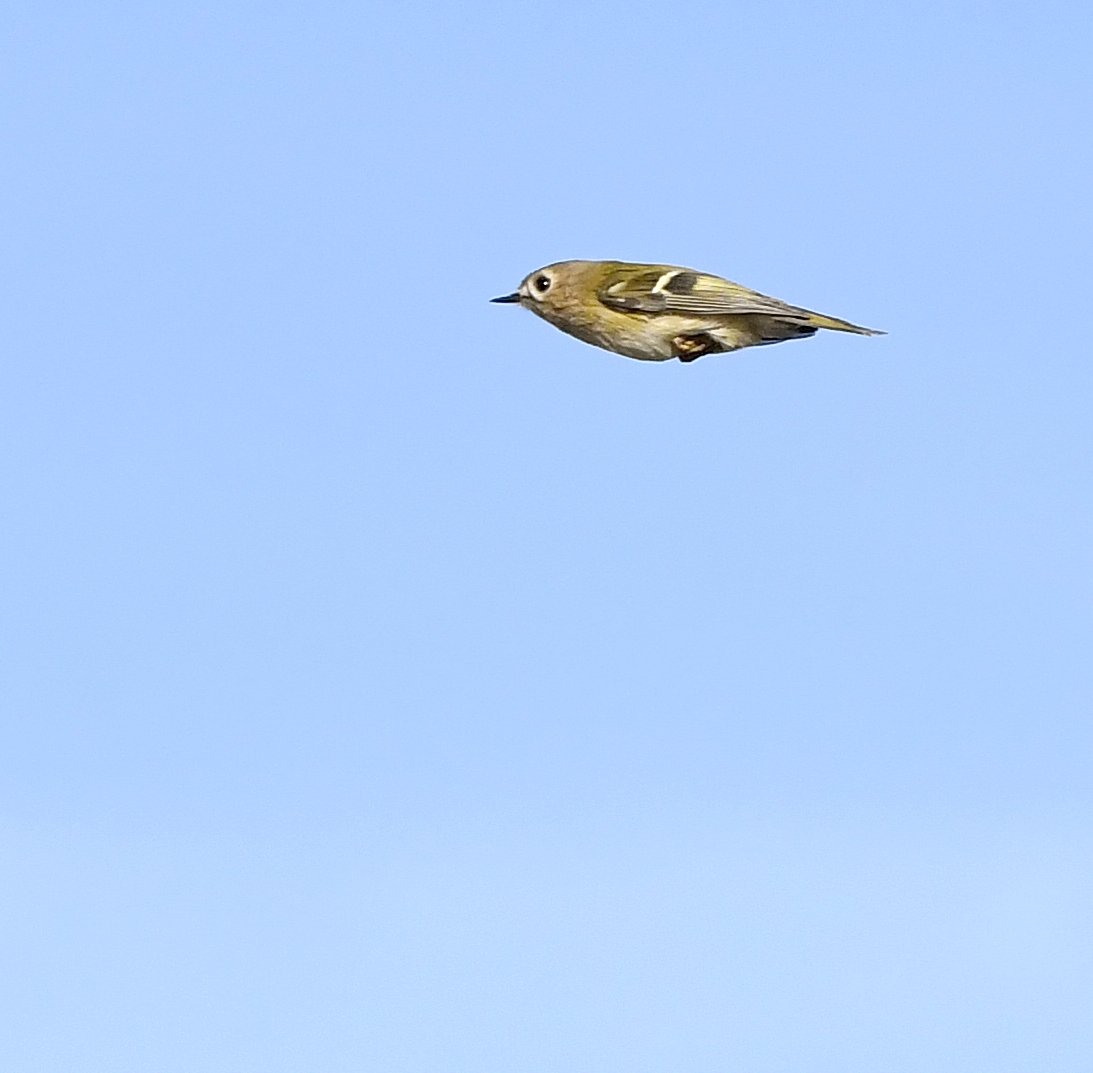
390,682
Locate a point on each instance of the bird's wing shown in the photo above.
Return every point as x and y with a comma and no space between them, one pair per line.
664,289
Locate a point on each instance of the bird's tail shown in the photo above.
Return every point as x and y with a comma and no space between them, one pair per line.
818,320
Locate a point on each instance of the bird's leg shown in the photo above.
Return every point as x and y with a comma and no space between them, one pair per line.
693,347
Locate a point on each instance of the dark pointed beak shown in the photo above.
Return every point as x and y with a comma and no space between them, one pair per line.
508,299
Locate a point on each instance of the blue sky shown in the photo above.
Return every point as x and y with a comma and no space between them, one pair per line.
392,682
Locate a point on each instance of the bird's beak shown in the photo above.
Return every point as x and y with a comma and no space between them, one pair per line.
508,299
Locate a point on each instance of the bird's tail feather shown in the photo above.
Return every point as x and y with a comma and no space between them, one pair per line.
819,320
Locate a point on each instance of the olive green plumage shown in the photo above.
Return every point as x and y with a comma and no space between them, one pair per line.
659,312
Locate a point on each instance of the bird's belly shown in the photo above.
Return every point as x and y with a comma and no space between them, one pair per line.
655,340
650,337
635,336
629,338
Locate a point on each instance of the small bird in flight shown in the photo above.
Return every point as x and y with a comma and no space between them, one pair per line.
660,312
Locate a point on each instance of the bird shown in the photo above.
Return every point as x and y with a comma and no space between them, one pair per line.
657,312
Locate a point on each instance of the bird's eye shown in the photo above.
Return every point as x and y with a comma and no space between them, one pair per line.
542,284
